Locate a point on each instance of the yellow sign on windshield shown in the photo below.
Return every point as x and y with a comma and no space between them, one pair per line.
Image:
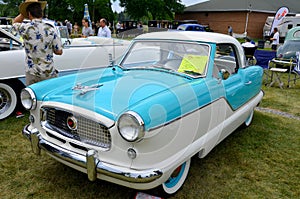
193,63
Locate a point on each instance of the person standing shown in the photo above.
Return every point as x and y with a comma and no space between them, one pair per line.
230,30
275,39
86,29
40,42
118,27
104,31
76,29
69,26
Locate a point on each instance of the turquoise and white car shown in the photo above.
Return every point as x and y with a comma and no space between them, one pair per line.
139,122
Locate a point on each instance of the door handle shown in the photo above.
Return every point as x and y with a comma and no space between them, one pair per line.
248,83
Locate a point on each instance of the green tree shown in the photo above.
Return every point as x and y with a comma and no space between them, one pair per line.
66,9
153,9
74,9
11,8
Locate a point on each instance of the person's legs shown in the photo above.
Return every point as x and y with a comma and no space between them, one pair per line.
31,79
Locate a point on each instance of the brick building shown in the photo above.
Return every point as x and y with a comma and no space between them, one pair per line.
242,15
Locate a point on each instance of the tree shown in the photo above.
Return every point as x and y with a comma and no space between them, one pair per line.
66,9
153,9
11,7
73,9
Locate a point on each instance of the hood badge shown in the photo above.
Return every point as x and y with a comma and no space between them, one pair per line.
85,89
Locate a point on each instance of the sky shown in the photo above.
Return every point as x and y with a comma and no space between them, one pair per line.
117,8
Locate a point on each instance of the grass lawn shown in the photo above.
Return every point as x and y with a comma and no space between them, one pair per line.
261,161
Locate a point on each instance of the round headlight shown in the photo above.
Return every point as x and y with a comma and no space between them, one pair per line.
28,99
131,126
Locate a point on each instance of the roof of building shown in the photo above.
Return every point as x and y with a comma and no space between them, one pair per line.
266,6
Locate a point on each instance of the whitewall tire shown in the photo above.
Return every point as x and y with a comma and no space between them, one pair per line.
8,100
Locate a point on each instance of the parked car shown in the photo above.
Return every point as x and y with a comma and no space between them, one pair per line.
286,53
191,27
290,46
5,22
138,122
78,54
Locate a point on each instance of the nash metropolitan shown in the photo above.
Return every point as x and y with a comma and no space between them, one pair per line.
138,122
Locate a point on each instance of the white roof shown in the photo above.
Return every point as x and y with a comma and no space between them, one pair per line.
190,36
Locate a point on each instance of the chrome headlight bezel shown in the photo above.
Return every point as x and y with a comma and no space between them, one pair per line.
28,99
131,126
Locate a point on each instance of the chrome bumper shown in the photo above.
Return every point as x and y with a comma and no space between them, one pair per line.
90,162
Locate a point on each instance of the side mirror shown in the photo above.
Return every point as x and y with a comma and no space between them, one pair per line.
224,74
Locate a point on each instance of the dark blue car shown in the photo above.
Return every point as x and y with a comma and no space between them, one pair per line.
191,27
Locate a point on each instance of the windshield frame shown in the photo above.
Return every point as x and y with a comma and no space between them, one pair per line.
165,69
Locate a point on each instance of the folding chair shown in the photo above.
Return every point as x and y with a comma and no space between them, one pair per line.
277,72
295,71
265,59
249,53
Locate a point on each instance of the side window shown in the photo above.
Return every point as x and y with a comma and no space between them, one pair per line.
225,58
189,28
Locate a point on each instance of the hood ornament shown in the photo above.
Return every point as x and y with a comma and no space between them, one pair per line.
85,89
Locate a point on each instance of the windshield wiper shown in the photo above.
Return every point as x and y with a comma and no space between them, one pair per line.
190,72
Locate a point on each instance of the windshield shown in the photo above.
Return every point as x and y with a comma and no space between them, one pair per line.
182,57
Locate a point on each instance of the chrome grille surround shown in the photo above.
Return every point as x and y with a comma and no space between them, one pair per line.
88,131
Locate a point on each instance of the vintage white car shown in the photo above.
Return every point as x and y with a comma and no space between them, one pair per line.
139,122
78,54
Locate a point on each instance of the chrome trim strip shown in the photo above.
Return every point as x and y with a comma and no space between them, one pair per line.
144,176
282,62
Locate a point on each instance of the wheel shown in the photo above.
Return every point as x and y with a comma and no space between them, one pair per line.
249,119
177,178
9,97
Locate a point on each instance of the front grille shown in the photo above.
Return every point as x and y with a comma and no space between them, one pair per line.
87,131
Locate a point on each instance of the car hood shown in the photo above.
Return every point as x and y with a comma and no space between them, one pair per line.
110,91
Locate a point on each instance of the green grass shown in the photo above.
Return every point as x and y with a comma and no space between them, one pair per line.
286,100
261,161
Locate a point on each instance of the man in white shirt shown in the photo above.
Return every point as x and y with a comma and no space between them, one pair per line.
104,31
275,39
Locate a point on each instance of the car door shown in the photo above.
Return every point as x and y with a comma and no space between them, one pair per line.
234,85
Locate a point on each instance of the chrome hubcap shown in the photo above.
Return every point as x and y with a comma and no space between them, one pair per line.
4,101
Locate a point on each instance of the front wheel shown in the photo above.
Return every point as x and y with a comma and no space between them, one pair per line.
177,178
8,100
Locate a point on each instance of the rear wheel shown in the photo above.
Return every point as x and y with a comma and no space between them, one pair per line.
9,98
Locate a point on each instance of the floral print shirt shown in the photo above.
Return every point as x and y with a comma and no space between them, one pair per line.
40,40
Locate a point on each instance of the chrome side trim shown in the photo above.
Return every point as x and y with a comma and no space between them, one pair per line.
93,165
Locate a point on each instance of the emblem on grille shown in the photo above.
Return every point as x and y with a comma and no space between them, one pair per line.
72,123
